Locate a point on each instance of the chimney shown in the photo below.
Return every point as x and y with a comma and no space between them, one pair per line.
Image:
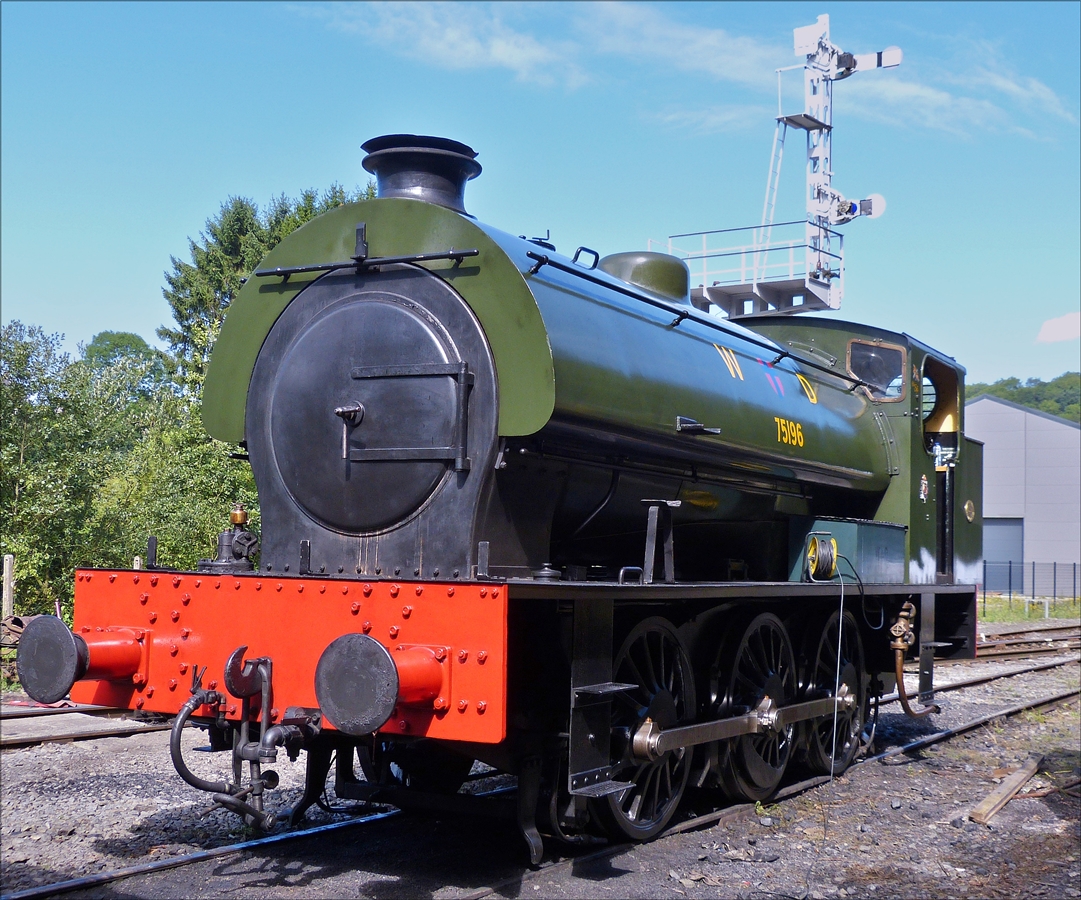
420,167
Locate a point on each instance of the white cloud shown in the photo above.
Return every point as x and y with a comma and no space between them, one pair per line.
1064,328
459,36
980,66
1026,91
898,101
717,118
972,89
641,32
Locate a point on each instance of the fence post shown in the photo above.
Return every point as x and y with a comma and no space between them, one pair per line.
1034,579
1010,576
985,588
1054,584
9,586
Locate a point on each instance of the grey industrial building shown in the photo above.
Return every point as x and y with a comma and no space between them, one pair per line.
1031,490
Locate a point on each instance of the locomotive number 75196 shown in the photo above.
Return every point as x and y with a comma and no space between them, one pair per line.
789,432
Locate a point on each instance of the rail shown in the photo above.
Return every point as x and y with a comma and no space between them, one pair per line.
727,814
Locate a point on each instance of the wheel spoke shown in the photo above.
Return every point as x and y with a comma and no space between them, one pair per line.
644,788
653,683
833,740
654,793
636,674
763,664
653,658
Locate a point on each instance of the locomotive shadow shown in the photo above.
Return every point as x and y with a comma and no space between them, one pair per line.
895,730
415,855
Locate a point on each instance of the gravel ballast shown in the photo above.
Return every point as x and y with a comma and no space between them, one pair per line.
892,828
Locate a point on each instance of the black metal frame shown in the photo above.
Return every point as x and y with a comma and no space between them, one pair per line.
457,452
589,769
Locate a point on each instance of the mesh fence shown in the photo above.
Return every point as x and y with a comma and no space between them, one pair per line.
1035,580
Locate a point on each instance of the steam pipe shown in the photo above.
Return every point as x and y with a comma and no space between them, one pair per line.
904,636
899,671
265,820
277,736
176,751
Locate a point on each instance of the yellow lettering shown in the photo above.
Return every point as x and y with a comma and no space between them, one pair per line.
789,432
727,361
735,362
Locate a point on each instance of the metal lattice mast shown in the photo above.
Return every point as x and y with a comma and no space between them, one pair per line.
796,273
825,64
818,110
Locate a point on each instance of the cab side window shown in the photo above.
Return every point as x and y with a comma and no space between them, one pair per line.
880,366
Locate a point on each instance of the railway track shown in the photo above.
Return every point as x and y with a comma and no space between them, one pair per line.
25,726
1030,651
1029,641
985,679
1031,629
572,856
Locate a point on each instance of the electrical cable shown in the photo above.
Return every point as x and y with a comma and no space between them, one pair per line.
863,598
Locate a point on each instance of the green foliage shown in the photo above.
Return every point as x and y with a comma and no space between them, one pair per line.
199,292
62,424
103,451
109,346
176,484
120,349
1061,396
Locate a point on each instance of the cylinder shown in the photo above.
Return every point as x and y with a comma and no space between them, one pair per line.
420,676
113,654
421,167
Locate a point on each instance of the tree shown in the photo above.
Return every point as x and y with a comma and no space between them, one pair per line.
1061,396
62,425
107,347
101,452
199,292
176,484
123,350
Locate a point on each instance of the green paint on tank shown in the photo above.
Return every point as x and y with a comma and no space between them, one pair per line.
622,367
660,274
490,283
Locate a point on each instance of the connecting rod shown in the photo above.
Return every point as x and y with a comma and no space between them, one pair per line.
650,742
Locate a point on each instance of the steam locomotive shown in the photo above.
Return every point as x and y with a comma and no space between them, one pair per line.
545,512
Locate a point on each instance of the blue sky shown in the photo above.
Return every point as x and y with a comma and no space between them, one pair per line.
125,126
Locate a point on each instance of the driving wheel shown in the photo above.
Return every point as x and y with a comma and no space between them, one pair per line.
755,670
653,658
831,742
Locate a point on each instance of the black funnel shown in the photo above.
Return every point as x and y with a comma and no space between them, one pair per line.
420,167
